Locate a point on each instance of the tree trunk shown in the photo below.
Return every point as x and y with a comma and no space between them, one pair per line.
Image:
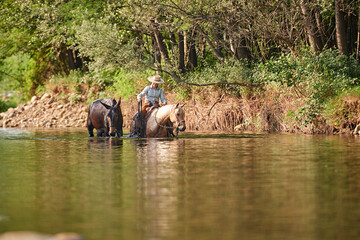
311,26
239,49
352,22
340,27
156,54
69,59
160,42
320,25
181,52
217,53
173,43
358,34
192,64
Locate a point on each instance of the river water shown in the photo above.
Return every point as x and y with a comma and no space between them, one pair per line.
200,186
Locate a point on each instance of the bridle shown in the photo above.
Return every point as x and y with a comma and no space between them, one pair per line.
168,127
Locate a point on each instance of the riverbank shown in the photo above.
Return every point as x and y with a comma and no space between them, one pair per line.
273,111
57,111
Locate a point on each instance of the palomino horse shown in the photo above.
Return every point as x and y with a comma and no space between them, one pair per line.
162,121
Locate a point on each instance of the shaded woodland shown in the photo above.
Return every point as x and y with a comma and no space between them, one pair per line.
176,37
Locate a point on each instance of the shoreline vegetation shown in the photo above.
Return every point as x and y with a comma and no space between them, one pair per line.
233,67
273,107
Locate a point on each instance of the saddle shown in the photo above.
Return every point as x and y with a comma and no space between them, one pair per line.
139,122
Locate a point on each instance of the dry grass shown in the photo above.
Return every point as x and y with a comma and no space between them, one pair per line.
272,110
259,113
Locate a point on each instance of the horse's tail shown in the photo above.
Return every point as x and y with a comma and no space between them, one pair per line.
141,120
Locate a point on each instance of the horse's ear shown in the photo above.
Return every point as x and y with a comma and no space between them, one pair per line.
118,103
113,101
182,105
105,105
177,105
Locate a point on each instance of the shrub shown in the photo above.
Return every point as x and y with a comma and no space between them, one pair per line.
5,105
16,74
127,83
315,77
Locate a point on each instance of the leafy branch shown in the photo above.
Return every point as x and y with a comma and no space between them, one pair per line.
179,80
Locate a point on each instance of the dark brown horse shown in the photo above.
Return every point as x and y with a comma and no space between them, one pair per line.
105,115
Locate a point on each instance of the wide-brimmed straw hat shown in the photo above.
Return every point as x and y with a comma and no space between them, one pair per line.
156,79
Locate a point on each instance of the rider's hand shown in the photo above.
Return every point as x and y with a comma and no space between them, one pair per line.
139,99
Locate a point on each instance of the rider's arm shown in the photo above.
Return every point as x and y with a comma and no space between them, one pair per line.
162,97
143,93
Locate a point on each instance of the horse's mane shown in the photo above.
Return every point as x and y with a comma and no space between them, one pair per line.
166,109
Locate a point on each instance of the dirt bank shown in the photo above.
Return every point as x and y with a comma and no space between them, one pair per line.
55,111
45,111
205,111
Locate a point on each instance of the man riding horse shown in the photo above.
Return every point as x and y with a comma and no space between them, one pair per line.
152,94
161,121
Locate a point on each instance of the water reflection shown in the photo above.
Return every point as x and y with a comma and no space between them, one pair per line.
157,173
105,149
236,187
105,143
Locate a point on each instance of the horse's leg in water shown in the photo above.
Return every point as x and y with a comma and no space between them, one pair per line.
90,128
169,130
100,133
119,133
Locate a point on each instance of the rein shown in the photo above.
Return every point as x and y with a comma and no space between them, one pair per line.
164,126
167,127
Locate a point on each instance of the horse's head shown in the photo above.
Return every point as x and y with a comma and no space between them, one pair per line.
114,116
177,117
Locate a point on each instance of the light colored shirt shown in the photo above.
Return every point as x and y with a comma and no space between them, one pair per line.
152,95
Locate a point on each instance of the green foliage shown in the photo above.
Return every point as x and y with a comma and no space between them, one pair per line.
336,106
183,92
71,80
107,47
228,72
44,32
125,83
16,73
231,71
5,105
75,98
324,73
316,77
